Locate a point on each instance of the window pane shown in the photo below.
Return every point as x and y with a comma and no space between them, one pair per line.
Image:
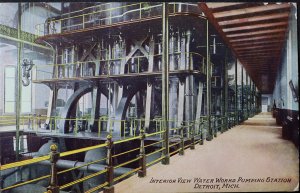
26,107
26,93
10,72
9,107
26,99
9,89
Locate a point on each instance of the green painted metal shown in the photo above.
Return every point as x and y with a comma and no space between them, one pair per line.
253,91
250,100
18,85
247,97
242,95
225,94
10,33
165,81
14,33
236,95
208,86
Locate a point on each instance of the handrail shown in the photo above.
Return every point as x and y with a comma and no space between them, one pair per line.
84,18
188,129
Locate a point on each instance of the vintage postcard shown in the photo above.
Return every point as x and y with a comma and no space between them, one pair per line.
149,97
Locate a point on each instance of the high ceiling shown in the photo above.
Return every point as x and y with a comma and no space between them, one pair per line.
256,34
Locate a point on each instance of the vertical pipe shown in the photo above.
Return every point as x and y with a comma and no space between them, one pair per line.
236,94
250,98
242,94
253,99
225,94
19,86
165,80
208,86
247,96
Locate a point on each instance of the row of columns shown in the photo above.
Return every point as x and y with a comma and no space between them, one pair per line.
247,96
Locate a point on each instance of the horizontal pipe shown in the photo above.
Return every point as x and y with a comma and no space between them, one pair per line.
25,42
67,164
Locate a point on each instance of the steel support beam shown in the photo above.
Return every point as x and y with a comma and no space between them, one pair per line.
10,33
255,26
225,93
51,104
95,114
270,31
250,96
180,106
149,85
248,10
208,86
96,97
189,100
148,105
165,81
253,93
19,85
236,94
53,91
198,111
254,19
242,94
173,102
257,38
247,96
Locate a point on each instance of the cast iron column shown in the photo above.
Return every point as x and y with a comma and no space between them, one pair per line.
208,86
224,128
236,95
247,96
19,85
242,95
165,81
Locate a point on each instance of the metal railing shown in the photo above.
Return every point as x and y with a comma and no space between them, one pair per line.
182,136
130,126
186,133
108,14
32,121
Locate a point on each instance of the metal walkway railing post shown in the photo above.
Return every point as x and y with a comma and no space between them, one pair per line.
181,151
110,168
201,142
215,129
192,130
54,156
142,171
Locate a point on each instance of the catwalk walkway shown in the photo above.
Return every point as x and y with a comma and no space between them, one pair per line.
250,157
